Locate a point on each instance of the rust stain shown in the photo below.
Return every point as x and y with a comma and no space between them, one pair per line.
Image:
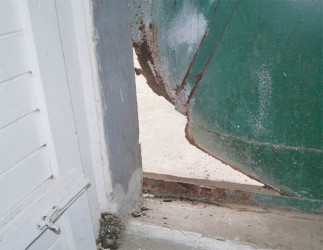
180,188
145,52
215,195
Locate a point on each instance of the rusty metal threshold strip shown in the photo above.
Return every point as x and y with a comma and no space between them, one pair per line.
223,193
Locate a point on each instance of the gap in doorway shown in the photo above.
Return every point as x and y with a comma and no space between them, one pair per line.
164,147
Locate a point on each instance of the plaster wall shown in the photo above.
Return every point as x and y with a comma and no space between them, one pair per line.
117,104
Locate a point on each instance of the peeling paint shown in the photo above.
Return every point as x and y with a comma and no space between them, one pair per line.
147,63
181,99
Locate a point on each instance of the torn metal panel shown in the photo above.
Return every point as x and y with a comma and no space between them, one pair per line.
166,35
250,86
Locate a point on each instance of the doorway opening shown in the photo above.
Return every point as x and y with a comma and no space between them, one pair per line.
164,147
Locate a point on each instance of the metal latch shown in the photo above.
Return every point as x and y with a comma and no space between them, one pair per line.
48,220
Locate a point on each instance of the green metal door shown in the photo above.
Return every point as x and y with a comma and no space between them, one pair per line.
248,76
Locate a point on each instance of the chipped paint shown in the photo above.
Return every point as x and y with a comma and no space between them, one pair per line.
182,99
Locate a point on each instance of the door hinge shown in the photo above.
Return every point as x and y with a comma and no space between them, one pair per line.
49,219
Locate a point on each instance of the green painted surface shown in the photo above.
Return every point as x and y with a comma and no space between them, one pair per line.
252,88
216,27
273,201
289,203
258,105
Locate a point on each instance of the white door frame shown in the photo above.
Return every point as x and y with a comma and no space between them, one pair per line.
76,25
88,105
81,69
86,101
75,22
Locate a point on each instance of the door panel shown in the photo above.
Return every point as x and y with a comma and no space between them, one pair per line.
60,244
13,60
40,162
19,227
23,178
9,17
20,139
55,83
17,98
72,230
51,240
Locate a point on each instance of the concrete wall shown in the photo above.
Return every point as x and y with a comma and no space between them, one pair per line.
118,105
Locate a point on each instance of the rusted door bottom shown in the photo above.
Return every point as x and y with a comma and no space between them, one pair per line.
225,193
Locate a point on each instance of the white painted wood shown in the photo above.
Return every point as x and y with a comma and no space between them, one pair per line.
92,100
53,241
75,225
31,51
20,222
76,52
20,139
22,179
17,98
78,219
50,240
9,17
48,48
13,59
60,244
55,84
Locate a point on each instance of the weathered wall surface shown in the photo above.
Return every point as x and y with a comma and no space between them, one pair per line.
113,52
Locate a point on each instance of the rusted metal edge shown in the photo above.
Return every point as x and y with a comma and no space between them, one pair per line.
212,183
221,193
192,141
145,53
185,188
216,193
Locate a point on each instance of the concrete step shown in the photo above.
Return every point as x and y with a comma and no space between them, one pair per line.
193,225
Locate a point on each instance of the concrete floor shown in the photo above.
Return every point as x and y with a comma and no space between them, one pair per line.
192,225
165,149
150,237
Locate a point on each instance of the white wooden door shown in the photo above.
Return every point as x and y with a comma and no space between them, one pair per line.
43,199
